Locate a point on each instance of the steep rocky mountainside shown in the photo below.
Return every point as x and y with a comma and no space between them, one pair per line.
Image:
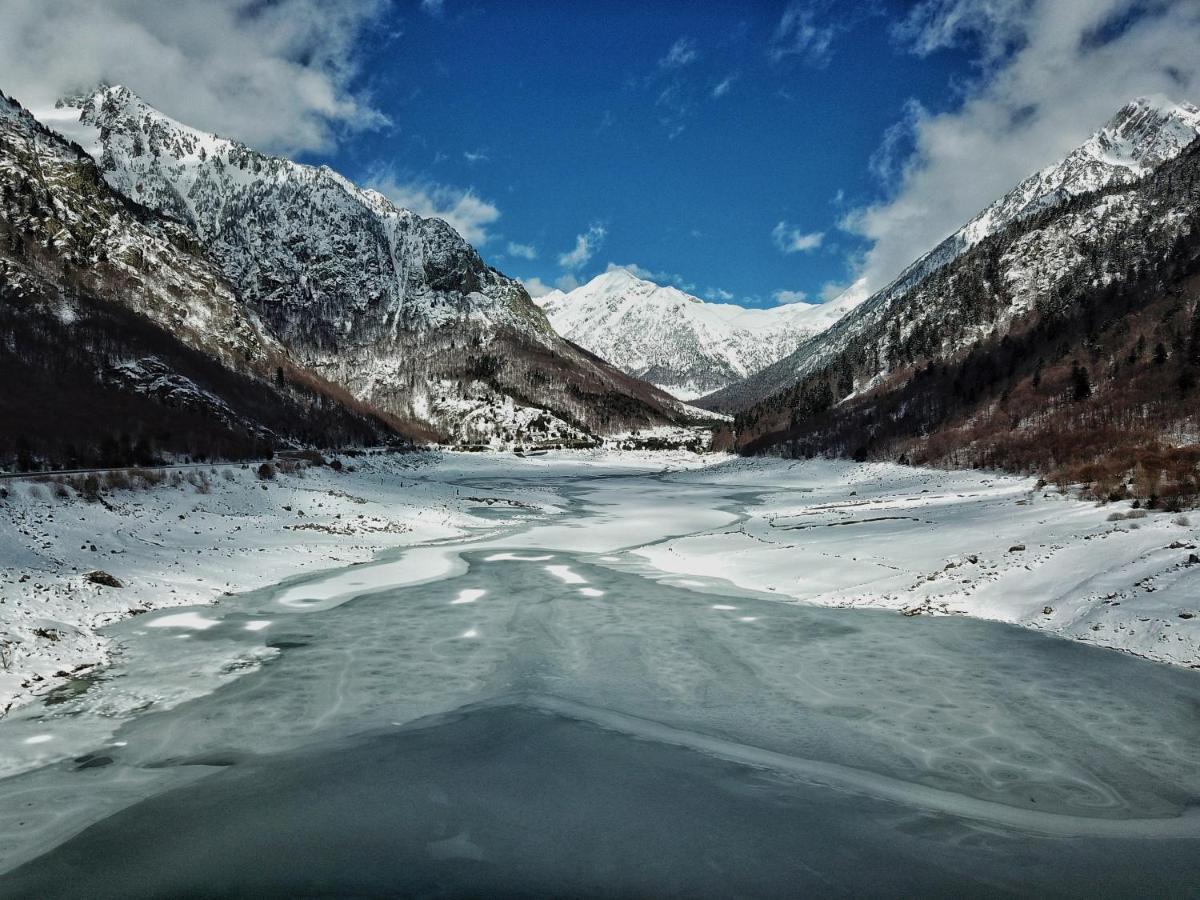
396,308
676,341
1141,136
116,331
1068,344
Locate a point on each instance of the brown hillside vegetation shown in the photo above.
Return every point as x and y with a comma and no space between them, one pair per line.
1098,385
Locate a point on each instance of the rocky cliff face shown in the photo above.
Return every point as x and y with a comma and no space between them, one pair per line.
397,308
116,328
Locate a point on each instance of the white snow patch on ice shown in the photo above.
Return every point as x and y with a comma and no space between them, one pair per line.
566,574
191,620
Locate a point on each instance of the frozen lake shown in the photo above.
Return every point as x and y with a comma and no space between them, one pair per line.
537,710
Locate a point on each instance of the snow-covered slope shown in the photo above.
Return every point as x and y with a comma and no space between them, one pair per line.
117,330
677,341
1140,137
397,308
1066,344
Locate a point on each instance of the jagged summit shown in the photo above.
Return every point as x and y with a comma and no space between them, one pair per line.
1141,136
675,340
1146,132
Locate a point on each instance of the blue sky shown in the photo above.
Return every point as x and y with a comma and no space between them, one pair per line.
678,136
752,151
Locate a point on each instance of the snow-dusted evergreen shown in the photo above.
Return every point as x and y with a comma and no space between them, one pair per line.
676,341
397,308
1139,138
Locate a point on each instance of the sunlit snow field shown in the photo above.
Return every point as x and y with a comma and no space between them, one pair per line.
625,697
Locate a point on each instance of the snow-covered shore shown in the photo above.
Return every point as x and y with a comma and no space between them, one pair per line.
821,532
835,533
207,532
214,531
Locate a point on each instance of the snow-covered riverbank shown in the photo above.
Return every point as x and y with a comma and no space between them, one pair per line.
835,533
828,533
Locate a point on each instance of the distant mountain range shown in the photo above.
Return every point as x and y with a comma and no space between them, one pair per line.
676,341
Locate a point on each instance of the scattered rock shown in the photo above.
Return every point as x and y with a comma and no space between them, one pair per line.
1016,548
1187,615
99,576
1047,610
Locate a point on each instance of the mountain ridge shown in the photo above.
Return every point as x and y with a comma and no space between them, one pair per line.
396,308
120,341
1108,156
682,344
1066,344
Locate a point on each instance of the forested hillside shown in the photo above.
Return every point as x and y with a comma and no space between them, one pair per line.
1068,345
121,343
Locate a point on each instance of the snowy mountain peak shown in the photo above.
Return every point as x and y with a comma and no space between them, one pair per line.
396,308
677,341
1141,136
1145,133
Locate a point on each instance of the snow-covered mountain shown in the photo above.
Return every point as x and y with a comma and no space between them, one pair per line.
676,341
397,308
121,341
1143,135
1067,343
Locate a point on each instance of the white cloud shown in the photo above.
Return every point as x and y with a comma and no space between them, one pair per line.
718,295
790,239
650,275
682,53
536,287
994,25
466,212
586,245
803,33
785,297
567,282
637,270
525,251
887,162
723,86
1049,74
435,8
475,156
275,75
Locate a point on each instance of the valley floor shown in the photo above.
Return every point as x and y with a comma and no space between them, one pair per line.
822,532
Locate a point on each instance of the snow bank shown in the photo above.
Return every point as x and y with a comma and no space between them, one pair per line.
925,541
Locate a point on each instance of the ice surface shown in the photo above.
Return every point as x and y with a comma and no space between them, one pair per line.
681,730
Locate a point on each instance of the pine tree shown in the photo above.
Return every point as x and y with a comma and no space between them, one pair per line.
1193,350
1081,382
